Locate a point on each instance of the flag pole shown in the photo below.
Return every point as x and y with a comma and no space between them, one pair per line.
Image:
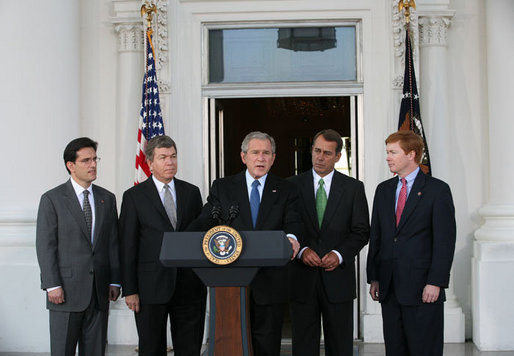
147,10
150,116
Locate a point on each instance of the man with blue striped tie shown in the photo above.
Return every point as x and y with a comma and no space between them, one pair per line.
265,202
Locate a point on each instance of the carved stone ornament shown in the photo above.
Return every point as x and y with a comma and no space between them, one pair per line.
130,28
160,27
433,30
398,28
130,37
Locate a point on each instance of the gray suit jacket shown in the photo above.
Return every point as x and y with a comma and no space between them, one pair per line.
65,254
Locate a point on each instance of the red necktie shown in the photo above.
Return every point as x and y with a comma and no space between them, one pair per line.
402,198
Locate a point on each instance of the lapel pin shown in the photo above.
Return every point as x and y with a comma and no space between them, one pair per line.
419,194
274,191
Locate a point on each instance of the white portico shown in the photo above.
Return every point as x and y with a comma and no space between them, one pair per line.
74,68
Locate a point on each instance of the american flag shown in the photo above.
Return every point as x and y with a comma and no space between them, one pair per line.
410,117
150,117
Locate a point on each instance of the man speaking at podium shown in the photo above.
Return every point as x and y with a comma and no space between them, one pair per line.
265,202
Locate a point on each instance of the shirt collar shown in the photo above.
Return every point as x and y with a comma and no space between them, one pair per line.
160,185
326,179
80,189
411,177
250,179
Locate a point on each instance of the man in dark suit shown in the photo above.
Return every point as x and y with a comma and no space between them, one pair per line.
335,215
412,242
265,202
77,251
160,204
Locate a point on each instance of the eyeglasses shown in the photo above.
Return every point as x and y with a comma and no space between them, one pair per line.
88,161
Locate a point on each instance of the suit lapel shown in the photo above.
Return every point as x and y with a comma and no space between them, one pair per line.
307,191
413,198
334,196
269,196
390,202
99,213
181,201
241,196
73,204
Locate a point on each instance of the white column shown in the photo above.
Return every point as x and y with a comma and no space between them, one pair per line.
128,25
493,253
130,69
433,29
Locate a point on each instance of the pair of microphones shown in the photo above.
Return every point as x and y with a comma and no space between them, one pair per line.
217,214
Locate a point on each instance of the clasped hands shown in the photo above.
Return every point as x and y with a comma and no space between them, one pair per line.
329,262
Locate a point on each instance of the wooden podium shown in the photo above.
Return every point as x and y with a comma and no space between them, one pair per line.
229,321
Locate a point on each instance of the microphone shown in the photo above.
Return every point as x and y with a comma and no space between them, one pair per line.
216,214
233,213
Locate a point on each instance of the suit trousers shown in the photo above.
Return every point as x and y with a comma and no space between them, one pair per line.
87,328
187,325
337,325
412,330
266,323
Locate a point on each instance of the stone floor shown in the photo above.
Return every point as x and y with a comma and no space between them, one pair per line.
360,349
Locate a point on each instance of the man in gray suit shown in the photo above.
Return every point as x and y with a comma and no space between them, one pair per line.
77,251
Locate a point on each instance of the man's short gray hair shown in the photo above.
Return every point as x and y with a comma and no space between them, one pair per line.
158,142
259,136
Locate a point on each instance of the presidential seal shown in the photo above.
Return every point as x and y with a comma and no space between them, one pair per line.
222,245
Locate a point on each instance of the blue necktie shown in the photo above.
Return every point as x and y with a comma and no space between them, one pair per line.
255,201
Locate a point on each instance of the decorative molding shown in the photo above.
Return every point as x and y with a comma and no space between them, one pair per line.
129,26
498,225
130,36
398,29
161,46
433,30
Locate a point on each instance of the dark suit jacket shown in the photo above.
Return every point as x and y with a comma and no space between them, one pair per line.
345,228
277,211
65,254
418,252
143,221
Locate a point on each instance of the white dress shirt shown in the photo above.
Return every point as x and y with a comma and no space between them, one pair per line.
160,188
260,189
327,180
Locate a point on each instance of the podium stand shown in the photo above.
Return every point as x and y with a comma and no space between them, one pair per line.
229,322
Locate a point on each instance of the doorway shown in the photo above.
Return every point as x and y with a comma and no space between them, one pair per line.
292,122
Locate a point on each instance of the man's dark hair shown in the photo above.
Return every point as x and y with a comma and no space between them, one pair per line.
158,142
70,152
331,136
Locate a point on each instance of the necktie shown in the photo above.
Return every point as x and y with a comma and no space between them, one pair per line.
321,201
255,201
169,206
88,214
402,198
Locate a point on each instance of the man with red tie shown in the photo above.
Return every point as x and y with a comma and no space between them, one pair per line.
412,242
